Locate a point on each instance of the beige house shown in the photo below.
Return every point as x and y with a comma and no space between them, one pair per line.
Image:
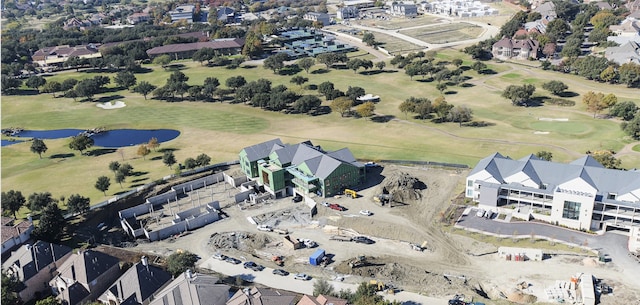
507,48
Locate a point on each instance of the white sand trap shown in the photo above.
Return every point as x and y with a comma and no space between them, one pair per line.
109,105
540,132
554,119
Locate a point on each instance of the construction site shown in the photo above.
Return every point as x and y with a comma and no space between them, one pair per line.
405,242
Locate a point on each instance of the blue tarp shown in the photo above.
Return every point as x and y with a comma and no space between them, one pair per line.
316,257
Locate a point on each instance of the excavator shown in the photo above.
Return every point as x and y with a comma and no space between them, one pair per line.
352,193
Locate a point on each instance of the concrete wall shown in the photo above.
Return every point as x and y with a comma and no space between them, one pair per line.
162,198
166,231
235,182
203,220
189,213
215,205
529,253
198,183
247,185
135,211
239,197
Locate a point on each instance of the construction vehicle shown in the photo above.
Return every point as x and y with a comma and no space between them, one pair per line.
277,259
351,193
358,262
281,231
341,238
382,199
379,285
420,248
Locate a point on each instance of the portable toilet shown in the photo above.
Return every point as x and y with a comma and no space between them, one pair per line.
316,257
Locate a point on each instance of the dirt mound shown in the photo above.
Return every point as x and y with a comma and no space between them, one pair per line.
521,298
242,241
589,262
402,187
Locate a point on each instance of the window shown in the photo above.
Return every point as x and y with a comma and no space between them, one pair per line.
469,193
469,183
571,210
611,196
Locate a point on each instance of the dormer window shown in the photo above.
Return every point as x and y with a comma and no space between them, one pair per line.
611,196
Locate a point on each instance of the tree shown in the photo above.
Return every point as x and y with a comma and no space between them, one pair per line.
441,107
9,84
52,87
10,286
629,74
203,160
441,87
120,177
341,105
366,109
369,39
406,107
77,204
305,103
114,166
190,163
35,82
460,114
179,262
235,82
87,88
590,67
38,147
606,158
322,286
210,87
153,144
355,92
51,225
125,79
38,201
12,201
168,158
609,75
544,155
625,110
556,87
609,100
298,80
51,300
306,63
126,169
103,183
144,88
276,62
325,88
162,60
380,65
557,29
413,69
329,59
479,67
597,102
81,142
632,128
457,62
204,54
68,84
518,94
143,151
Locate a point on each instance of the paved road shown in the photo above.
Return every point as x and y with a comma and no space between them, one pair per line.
613,245
266,277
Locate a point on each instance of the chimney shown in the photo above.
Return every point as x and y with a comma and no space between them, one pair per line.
145,262
189,274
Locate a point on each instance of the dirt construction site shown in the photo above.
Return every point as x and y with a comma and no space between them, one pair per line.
413,249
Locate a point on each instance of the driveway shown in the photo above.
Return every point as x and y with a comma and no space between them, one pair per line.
613,245
267,278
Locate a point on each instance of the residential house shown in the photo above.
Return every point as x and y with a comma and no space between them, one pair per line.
323,18
302,168
136,18
633,5
34,265
349,12
539,25
360,4
628,30
77,24
321,300
309,42
14,235
136,285
582,195
406,10
547,10
84,276
508,48
224,46
262,296
226,14
626,53
193,289
56,56
183,12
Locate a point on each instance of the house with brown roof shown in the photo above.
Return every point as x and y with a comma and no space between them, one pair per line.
193,289
14,235
136,18
84,276
56,56
262,296
507,48
137,285
225,46
34,265
322,300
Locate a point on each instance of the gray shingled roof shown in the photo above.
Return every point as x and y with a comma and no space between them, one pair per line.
138,283
262,150
200,289
187,47
28,260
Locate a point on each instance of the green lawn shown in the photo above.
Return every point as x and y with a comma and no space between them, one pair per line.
222,129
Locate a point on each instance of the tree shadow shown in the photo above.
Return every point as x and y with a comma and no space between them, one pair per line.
138,174
465,68
371,72
321,110
175,67
382,118
320,71
487,72
290,70
101,151
248,67
425,80
389,71
139,179
25,92
568,94
167,149
120,192
136,185
340,66
62,156
478,124
105,99
426,117
536,101
450,92
142,70
467,85
311,87
156,158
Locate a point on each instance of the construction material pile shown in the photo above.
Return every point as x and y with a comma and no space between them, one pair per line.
521,298
243,241
402,187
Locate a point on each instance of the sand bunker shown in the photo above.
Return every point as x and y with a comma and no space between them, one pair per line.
109,105
540,132
554,119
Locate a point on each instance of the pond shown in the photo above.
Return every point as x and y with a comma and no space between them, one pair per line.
110,139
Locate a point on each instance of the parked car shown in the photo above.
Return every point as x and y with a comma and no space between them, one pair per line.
365,212
325,203
265,228
336,207
280,272
301,276
219,256
480,213
253,266
309,243
297,198
363,240
232,260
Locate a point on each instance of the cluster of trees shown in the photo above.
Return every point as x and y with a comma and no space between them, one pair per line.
51,219
200,160
120,171
445,112
519,95
177,85
365,294
628,112
597,102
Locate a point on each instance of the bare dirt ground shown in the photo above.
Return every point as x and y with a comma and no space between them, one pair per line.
450,264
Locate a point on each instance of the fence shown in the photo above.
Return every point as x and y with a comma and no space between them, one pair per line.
430,163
